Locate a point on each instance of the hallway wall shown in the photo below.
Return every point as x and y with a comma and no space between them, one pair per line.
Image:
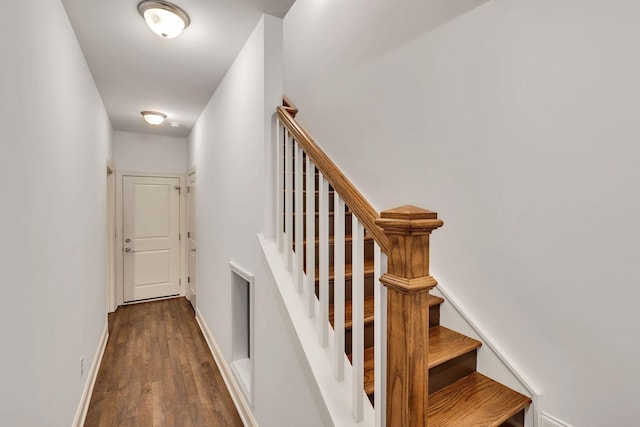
148,153
518,122
227,146
54,144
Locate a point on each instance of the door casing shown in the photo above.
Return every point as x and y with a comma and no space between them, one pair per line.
120,227
111,239
191,287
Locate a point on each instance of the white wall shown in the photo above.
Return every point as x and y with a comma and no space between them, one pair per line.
55,141
517,122
227,146
147,153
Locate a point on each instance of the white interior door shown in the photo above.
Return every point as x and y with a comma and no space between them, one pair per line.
151,223
191,240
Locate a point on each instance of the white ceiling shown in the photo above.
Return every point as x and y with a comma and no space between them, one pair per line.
137,70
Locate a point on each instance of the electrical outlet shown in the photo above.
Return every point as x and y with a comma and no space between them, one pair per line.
81,365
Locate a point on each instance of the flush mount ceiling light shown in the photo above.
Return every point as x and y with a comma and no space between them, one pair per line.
153,117
165,19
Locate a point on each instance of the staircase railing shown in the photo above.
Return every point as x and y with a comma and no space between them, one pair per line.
394,245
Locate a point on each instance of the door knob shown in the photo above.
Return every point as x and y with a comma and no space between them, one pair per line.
129,250
128,241
193,250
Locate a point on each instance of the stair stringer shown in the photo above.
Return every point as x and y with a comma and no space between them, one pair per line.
332,397
493,361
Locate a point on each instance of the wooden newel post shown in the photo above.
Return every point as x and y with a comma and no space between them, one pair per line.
408,282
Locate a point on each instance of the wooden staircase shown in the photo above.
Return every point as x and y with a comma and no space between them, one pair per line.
457,394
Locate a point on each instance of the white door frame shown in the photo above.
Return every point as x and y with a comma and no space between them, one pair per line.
120,227
190,172
111,235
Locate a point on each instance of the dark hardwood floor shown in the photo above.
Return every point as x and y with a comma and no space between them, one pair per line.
157,370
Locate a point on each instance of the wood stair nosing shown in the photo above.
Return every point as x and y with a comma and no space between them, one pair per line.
369,310
444,345
348,273
474,400
305,191
348,240
317,214
435,300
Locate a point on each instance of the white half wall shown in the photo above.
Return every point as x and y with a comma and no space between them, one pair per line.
148,153
518,122
55,141
227,146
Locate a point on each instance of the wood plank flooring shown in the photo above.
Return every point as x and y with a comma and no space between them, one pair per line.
157,370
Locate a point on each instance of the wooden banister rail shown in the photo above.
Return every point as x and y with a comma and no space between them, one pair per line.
345,282
408,283
403,235
340,183
288,105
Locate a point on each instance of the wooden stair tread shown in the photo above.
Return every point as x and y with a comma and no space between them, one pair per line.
369,372
434,300
305,191
347,240
445,344
474,400
368,270
369,309
304,214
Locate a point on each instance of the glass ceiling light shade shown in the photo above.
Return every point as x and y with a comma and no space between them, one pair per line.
165,19
153,117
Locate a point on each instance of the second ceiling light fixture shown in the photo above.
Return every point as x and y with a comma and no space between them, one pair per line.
168,21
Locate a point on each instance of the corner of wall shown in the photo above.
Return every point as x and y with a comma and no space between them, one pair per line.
240,116
273,92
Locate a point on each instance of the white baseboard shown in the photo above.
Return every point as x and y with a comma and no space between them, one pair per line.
234,388
83,407
144,301
549,421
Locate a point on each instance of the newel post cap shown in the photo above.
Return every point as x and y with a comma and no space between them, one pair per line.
409,220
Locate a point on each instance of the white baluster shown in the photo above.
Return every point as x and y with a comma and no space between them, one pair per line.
357,331
299,218
279,185
311,238
288,197
338,285
323,247
380,336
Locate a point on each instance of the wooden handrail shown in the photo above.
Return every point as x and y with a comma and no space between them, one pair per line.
403,235
340,183
288,105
